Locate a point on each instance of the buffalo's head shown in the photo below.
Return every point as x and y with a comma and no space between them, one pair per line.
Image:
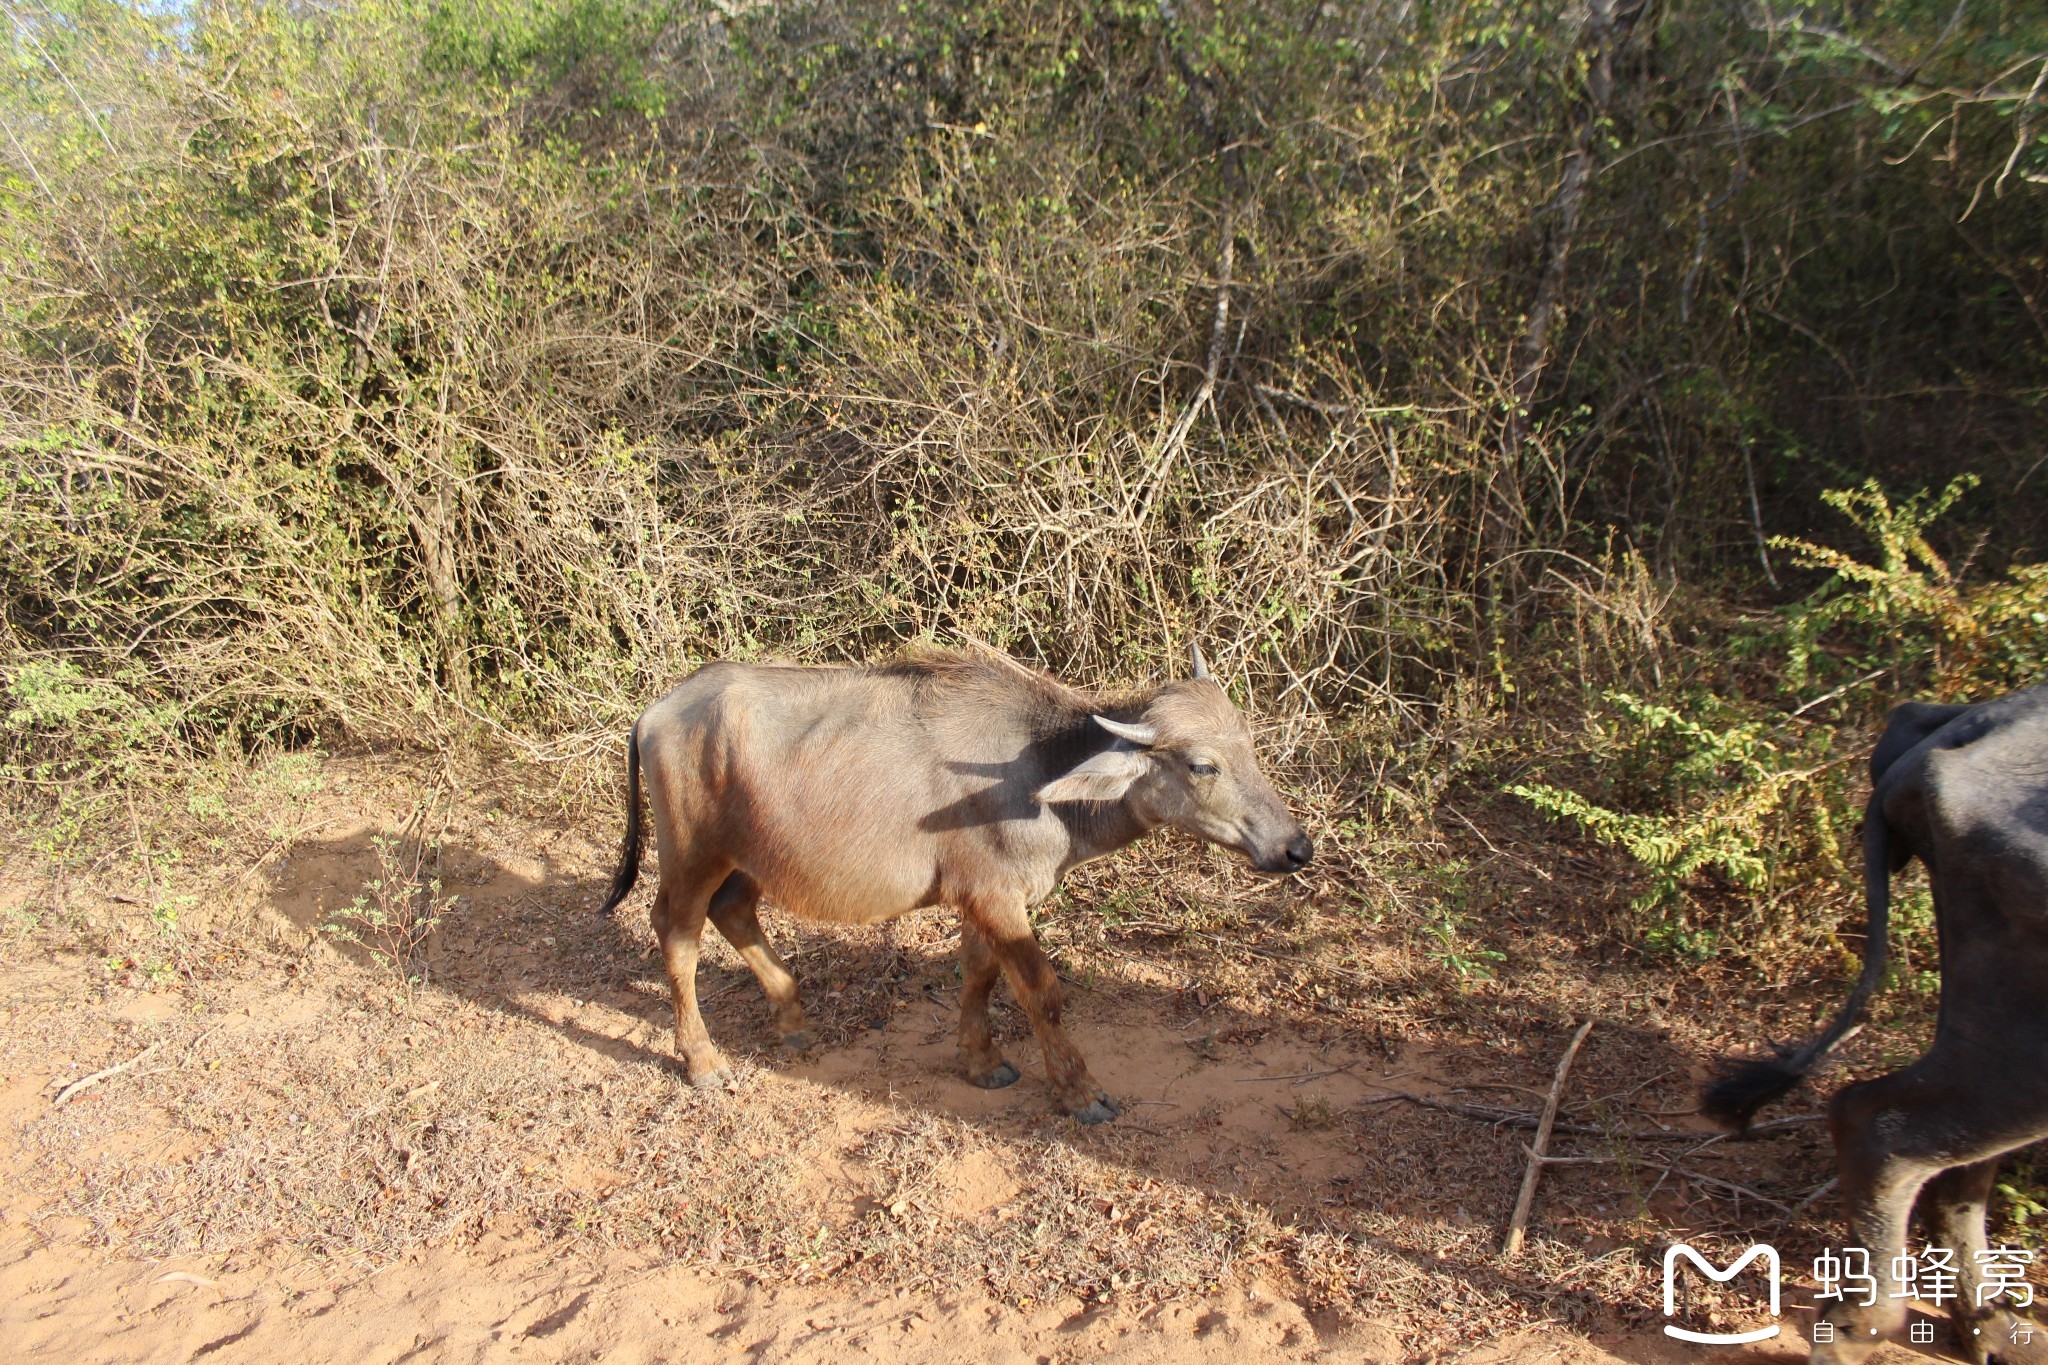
1187,761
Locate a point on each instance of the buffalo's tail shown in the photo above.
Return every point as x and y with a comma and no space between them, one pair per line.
629,856
1741,1087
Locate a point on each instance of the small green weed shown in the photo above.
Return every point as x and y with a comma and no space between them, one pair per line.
2024,1194
396,912
1467,961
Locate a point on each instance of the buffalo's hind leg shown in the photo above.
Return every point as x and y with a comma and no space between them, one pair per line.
979,1055
1952,1206
1933,1126
680,906
734,909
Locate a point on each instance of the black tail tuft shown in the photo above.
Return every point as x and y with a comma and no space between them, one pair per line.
1741,1087
629,857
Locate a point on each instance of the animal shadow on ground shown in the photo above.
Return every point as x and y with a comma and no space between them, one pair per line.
1296,1111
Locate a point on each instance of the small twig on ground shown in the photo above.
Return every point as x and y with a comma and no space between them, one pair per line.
407,1098
1495,851
1761,1129
1682,1172
1292,961
1633,1090
1518,1225
1501,1085
85,1083
1806,1201
1521,1118
282,844
1299,1075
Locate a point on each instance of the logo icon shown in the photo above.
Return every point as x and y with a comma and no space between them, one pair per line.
1767,1254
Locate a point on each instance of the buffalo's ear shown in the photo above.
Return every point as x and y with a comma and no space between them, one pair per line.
1105,777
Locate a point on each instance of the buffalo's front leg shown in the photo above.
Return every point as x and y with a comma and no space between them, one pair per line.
979,1056
1008,932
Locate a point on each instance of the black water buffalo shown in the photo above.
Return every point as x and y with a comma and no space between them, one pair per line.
855,794
1965,790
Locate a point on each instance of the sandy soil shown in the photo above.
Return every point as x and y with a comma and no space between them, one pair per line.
492,1303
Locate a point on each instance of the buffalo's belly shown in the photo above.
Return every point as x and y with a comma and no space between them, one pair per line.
849,886
820,864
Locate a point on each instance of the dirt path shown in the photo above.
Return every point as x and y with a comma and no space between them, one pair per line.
500,1303
304,1161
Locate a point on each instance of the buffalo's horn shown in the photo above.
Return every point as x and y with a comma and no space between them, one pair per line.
1201,664
1144,736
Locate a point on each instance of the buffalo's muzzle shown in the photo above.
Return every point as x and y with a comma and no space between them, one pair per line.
1293,858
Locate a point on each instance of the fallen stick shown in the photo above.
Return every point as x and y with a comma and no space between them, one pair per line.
1522,1118
249,873
1682,1172
1496,852
1519,1224
1286,960
1299,1075
85,1083
1815,1193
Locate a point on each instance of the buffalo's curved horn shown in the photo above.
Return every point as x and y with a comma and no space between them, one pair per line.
1144,736
1201,664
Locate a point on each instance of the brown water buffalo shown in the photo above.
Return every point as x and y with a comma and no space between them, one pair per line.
854,794
1965,790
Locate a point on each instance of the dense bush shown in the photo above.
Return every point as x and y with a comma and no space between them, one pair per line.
415,369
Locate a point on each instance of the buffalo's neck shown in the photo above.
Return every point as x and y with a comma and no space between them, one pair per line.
1098,828
1094,828
1064,739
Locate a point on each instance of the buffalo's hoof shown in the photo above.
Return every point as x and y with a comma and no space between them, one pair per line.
997,1079
713,1078
1101,1111
800,1041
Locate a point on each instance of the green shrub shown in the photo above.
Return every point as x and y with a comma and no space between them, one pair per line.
1708,788
443,369
1909,612
1719,793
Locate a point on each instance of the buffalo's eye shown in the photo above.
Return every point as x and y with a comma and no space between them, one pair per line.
1200,769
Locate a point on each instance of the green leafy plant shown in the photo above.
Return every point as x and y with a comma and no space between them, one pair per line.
63,723
1731,783
2023,1193
1703,786
1465,960
396,913
1907,610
